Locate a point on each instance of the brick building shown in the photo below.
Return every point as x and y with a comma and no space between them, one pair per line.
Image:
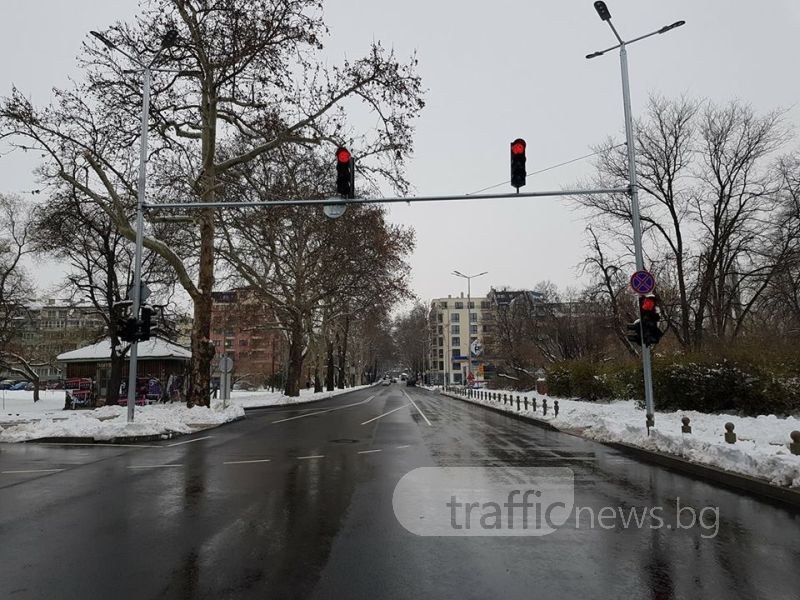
244,328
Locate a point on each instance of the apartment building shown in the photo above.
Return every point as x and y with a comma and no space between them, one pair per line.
455,324
244,328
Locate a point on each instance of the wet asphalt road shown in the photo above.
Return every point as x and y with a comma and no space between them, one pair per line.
208,517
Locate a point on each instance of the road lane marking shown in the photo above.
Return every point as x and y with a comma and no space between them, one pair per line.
320,412
417,407
387,413
208,437
312,456
32,471
152,466
246,462
98,444
405,446
369,451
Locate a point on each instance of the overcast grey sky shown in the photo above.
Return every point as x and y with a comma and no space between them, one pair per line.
494,71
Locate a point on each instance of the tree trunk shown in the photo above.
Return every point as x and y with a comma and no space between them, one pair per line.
202,353
294,371
115,378
329,366
36,385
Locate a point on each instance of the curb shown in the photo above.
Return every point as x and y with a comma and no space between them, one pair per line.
729,479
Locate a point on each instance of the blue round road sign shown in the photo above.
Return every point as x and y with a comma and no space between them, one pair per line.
643,282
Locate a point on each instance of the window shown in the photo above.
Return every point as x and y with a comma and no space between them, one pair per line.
455,329
473,329
486,328
456,377
441,355
441,340
442,304
439,317
441,329
243,342
455,318
484,304
459,305
456,341
473,317
441,365
472,305
455,353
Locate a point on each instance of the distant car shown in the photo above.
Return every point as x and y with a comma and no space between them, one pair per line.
393,380
411,382
30,387
7,384
19,386
385,382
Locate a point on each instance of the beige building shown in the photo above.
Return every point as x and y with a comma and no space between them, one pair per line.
454,327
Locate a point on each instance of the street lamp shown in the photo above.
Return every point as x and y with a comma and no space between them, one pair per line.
469,279
633,191
168,40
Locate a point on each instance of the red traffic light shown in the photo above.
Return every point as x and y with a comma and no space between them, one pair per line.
648,304
518,147
343,155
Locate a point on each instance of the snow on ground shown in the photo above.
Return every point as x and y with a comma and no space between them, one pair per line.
258,399
761,449
22,419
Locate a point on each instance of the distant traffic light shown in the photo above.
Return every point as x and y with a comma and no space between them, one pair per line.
649,315
345,173
518,171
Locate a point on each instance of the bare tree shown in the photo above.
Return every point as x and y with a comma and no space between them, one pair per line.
244,82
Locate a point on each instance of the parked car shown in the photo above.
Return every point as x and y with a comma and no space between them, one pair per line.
385,381
30,386
21,385
6,384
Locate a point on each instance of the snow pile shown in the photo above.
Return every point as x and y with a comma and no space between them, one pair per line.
761,449
110,422
260,399
16,406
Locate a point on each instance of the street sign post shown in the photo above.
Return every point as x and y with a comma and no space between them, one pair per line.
643,283
225,369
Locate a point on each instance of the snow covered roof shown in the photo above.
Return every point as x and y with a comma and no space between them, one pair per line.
152,349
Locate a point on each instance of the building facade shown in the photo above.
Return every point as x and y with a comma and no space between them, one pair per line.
454,325
244,328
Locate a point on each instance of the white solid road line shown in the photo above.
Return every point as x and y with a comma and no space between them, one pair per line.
404,446
312,456
246,462
320,412
417,407
208,437
369,451
387,413
32,471
152,466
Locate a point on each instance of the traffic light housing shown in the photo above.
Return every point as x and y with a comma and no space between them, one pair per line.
634,334
144,324
649,315
518,172
127,330
345,173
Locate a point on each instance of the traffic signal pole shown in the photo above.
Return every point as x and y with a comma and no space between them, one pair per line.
637,228
137,260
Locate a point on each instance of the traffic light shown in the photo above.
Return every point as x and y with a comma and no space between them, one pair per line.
649,315
634,334
345,173
144,324
127,331
518,172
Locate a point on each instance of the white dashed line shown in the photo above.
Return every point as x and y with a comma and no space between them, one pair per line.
208,437
152,466
32,471
405,446
384,414
246,462
369,451
417,407
320,412
312,456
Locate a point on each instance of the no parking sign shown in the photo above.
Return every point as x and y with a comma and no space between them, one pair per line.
643,283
